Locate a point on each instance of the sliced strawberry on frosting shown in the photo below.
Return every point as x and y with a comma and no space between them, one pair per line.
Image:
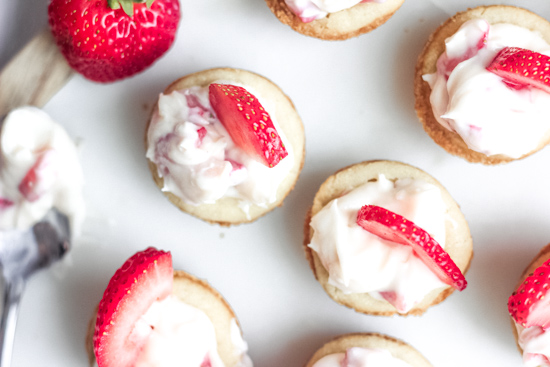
144,278
519,68
529,305
395,228
249,125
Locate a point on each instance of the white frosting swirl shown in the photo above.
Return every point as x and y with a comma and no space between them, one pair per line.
181,335
310,10
535,343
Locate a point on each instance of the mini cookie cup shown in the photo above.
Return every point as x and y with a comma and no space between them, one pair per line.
426,64
458,239
345,24
226,211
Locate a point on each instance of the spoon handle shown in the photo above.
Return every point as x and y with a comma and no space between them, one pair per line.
12,295
34,75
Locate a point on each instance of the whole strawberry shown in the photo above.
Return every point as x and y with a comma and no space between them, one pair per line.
108,40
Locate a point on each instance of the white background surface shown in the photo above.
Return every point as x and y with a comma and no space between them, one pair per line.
356,101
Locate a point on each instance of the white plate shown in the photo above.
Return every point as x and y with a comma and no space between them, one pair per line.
356,101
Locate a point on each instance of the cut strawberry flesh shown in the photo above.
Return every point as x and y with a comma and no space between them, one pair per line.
529,305
202,133
39,178
5,203
144,278
248,124
520,67
206,362
193,101
478,40
393,227
395,299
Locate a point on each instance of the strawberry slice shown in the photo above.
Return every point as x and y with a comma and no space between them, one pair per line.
143,279
247,122
395,228
528,305
519,67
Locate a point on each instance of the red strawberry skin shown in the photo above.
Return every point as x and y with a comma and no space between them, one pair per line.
104,44
528,305
393,227
249,125
143,279
521,68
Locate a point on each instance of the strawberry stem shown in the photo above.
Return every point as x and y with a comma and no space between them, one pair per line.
128,5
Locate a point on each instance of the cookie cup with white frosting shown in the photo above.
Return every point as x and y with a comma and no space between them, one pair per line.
456,233
427,62
201,295
230,210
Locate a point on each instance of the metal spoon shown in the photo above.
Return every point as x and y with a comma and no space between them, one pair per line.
31,77
21,254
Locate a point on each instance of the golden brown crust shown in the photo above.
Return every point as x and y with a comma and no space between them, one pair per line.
398,349
458,239
226,211
197,293
542,256
426,64
361,18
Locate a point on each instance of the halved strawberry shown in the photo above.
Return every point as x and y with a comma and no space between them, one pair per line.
247,122
395,228
521,68
143,279
529,304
